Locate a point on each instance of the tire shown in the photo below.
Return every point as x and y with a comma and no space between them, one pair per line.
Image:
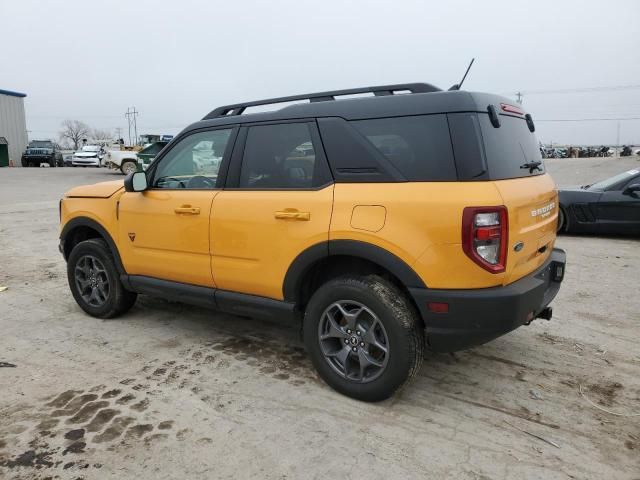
24,163
91,266
128,167
563,221
383,318
52,163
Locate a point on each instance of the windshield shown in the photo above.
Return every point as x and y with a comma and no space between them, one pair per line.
40,144
610,182
90,148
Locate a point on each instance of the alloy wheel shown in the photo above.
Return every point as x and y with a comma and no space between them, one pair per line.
353,341
92,280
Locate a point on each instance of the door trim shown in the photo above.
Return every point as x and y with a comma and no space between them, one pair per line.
235,303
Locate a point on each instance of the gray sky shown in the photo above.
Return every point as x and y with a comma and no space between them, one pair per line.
177,60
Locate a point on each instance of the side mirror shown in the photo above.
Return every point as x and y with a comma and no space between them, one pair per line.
135,182
631,189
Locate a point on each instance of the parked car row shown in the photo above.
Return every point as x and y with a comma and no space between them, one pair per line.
127,161
585,152
576,152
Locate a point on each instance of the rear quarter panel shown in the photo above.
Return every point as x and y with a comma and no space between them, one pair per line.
422,226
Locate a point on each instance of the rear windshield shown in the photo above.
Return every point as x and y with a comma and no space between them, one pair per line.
418,147
510,149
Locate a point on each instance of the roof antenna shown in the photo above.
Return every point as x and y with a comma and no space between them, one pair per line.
457,86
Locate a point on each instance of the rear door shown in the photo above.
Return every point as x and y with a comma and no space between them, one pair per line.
515,165
277,202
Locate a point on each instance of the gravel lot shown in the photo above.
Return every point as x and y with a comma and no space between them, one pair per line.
174,391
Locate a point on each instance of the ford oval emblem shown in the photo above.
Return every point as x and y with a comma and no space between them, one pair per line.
518,246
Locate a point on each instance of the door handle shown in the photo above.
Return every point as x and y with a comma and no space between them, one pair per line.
293,215
187,210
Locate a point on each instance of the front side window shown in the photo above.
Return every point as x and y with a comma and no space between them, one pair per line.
278,156
194,162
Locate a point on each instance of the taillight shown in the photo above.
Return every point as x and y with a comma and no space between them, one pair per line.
485,236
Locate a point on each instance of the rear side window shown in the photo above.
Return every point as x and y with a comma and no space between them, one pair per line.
281,156
419,147
510,148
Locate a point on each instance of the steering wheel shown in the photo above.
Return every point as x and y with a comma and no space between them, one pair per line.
200,181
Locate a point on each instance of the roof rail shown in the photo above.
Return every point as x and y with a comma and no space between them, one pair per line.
382,90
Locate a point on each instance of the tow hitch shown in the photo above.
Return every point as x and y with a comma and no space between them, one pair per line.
546,313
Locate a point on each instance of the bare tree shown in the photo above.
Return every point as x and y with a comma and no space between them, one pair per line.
74,131
101,136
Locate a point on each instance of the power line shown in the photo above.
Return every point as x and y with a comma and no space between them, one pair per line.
582,90
585,119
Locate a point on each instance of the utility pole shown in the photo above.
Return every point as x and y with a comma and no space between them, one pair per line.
131,115
618,141
128,124
519,96
118,133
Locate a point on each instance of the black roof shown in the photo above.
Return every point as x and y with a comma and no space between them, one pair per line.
423,99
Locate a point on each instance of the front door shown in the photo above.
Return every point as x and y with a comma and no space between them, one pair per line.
164,231
277,202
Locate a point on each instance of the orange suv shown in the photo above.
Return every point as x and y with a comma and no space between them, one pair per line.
382,219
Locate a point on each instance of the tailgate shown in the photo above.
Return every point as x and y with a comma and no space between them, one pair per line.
532,203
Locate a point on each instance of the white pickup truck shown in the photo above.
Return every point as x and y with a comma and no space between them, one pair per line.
129,161
124,160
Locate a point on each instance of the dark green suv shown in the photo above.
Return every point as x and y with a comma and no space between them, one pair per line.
42,151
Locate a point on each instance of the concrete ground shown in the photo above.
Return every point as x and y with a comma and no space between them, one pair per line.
174,391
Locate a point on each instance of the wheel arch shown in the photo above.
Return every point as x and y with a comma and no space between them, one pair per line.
83,228
326,260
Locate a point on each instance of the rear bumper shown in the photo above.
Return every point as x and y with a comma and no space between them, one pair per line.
478,316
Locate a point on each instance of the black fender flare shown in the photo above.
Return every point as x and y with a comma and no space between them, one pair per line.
89,222
353,248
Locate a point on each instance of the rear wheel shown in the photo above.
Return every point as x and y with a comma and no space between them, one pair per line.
363,336
94,280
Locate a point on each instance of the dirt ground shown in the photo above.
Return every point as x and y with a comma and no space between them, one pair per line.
174,391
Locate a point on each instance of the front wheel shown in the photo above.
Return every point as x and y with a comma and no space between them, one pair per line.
563,222
94,280
363,336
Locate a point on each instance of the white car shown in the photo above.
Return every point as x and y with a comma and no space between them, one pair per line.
88,156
